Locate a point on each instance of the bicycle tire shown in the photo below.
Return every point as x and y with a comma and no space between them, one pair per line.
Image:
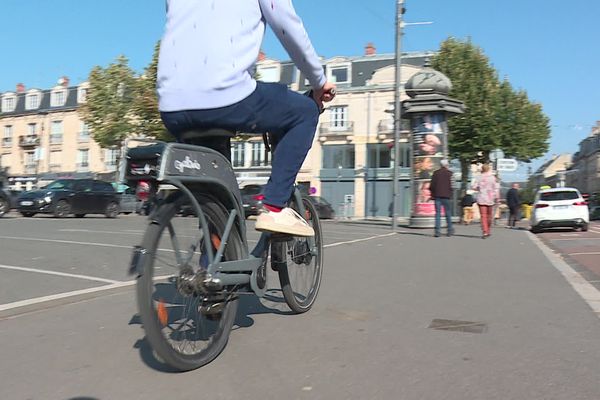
296,263
150,310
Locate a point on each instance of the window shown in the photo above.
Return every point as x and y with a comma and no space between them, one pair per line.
32,129
558,196
7,136
4,160
56,132
100,186
55,158
339,75
336,156
260,157
237,154
404,157
8,103
83,160
338,117
82,94
84,132
30,162
268,74
32,101
58,98
379,155
110,158
83,185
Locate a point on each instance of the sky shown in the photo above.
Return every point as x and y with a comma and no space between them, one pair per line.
548,48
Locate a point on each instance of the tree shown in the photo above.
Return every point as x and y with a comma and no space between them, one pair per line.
145,107
108,107
496,115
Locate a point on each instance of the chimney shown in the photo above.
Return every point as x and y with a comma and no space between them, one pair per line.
64,81
370,49
20,88
261,56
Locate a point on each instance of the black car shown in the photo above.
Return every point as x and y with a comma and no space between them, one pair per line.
71,196
251,199
5,202
324,208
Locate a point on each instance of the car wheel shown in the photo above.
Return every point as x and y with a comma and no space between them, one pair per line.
535,229
127,213
4,207
79,215
584,228
112,210
62,209
27,214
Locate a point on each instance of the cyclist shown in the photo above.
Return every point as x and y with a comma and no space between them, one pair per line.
204,81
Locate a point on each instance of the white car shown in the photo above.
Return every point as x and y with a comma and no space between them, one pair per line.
559,207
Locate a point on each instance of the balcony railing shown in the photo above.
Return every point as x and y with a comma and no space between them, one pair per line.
83,167
6,142
386,126
29,141
344,128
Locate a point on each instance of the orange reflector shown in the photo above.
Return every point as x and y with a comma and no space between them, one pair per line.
216,241
163,315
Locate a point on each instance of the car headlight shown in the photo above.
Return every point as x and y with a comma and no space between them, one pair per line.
48,199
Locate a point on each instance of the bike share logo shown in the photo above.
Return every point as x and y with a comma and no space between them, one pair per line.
186,163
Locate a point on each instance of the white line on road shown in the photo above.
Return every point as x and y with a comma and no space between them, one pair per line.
60,296
589,293
65,242
44,271
578,239
584,254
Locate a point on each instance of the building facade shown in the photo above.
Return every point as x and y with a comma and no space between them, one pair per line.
585,172
350,164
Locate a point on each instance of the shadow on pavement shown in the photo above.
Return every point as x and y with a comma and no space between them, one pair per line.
249,304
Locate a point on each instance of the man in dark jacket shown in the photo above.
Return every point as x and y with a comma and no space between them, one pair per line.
441,192
513,202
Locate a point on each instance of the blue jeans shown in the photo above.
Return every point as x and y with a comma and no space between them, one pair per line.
439,203
290,117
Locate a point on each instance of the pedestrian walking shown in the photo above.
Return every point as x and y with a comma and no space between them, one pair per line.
441,192
488,194
514,202
466,203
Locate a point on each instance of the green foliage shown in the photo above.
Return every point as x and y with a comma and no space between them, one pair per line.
145,106
497,116
107,110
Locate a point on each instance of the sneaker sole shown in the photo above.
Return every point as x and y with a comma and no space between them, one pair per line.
287,230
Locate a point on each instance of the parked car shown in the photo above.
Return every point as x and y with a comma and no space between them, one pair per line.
595,213
71,196
559,207
129,203
5,202
324,208
251,199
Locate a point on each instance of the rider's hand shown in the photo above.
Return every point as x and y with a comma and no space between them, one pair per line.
325,94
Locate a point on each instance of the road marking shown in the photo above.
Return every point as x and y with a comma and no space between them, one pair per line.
359,240
585,254
579,238
65,242
91,231
44,271
588,293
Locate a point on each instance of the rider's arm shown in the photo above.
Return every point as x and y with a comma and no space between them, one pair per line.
287,26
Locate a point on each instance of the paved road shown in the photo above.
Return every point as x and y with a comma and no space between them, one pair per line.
367,337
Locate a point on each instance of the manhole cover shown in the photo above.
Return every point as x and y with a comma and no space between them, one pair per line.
458,326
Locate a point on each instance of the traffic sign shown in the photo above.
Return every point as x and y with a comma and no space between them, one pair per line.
507,165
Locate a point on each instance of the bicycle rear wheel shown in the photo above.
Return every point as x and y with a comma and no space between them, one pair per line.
299,262
186,328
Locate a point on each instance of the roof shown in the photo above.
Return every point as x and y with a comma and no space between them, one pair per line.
70,103
559,189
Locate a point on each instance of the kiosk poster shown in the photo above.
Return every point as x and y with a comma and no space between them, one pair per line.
428,150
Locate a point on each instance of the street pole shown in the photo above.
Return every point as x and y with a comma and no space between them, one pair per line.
397,111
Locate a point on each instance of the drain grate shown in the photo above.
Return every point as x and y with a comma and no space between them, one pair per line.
458,326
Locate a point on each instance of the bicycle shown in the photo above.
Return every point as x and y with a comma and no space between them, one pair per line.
188,314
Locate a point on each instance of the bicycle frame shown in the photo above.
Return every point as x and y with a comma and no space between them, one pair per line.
188,167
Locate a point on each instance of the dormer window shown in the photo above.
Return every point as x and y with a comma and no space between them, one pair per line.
58,98
82,94
339,73
32,101
9,103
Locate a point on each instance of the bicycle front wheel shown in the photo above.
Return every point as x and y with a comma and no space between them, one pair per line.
186,328
299,261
